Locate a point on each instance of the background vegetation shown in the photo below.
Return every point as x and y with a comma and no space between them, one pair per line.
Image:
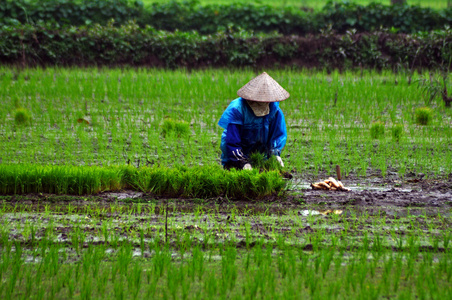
26,45
209,19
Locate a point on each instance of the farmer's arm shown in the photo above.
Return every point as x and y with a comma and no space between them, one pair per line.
234,146
277,134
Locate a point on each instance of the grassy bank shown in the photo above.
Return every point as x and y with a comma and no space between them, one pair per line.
117,116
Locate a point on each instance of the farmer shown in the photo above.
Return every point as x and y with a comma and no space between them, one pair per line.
254,123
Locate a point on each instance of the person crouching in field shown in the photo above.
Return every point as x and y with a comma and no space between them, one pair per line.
254,123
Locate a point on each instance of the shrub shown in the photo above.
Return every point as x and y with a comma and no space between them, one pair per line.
208,19
377,130
423,115
132,45
69,12
22,116
397,132
403,18
175,128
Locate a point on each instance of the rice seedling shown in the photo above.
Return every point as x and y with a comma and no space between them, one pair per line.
175,128
179,181
423,115
377,130
261,162
22,116
397,132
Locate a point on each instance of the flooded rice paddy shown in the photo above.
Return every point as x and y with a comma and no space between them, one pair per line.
387,242
388,238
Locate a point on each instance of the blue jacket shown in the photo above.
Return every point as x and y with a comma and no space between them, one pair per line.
245,133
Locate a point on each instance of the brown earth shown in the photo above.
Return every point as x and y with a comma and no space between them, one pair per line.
414,190
421,194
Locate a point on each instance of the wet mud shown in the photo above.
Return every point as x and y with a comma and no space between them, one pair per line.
412,192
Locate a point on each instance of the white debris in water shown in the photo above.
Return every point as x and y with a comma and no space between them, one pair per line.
127,195
31,259
308,212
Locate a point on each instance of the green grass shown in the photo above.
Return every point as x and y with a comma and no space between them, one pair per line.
127,108
317,5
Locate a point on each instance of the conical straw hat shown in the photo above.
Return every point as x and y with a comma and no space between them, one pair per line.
263,88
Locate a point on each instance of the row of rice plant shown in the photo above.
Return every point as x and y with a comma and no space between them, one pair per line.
128,251
290,273
197,182
126,116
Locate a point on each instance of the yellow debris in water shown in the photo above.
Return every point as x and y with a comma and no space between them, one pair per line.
330,184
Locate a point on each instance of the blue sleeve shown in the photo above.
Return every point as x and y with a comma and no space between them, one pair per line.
277,133
234,144
232,114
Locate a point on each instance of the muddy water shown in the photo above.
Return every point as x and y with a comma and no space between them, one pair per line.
112,219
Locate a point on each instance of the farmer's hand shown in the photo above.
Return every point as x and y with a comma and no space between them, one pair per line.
247,167
278,158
